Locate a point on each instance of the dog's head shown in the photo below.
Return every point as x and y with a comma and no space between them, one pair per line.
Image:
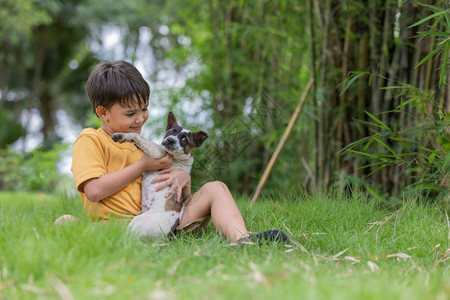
179,141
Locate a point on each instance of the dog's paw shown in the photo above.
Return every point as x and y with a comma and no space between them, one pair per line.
122,137
117,137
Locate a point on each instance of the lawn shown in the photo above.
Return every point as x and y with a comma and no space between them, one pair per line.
344,248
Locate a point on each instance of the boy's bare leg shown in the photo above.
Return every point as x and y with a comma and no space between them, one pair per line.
215,199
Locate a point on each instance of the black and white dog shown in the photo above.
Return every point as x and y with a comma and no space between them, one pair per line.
160,216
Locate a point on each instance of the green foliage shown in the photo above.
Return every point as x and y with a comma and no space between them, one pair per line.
10,130
422,147
345,249
247,69
414,134
245,64
439,29
19,17
46,70
30,171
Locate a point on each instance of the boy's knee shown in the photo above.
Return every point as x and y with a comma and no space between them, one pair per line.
215,186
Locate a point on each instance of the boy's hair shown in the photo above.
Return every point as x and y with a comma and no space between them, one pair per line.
118,82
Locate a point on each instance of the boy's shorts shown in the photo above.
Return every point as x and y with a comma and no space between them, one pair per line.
197,226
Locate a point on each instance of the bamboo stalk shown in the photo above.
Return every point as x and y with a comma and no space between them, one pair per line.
282,141
312,43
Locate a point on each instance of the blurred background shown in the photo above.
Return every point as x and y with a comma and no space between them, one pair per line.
376,117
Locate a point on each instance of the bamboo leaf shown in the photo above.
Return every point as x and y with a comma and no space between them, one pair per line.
367,144
378,121
437,14
447,18
368,124
376,164
434,33
434,7
351,79
355,144
438,48
384,157
378,169
386,146
392,87
433,188
404,104
362,153
444,42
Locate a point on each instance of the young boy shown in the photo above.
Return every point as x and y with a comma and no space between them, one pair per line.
108,174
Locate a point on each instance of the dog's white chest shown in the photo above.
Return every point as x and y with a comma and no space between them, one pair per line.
157,219
148,191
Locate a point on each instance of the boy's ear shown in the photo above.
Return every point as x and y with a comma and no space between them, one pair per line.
101,112
171,121
199,138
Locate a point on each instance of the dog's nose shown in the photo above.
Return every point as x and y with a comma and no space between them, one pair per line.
168,142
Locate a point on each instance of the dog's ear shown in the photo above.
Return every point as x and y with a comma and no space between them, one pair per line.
171,121
199,138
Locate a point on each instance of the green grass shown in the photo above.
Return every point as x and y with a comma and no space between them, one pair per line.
346,249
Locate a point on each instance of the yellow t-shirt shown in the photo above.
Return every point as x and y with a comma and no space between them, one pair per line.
96,154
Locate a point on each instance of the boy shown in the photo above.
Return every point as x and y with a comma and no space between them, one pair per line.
108,174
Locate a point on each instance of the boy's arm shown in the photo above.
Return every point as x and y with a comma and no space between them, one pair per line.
106,185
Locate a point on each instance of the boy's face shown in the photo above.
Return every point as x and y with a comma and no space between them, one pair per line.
123,118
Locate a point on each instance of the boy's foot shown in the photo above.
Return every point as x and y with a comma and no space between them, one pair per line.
273,235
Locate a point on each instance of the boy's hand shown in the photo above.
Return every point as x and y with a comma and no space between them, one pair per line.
178,180
151,164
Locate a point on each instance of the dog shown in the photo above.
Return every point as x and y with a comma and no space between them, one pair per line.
160,216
